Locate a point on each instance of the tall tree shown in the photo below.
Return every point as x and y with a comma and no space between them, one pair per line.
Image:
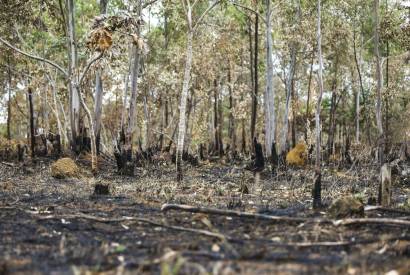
269,92
378,77
317,188
99,91
192,26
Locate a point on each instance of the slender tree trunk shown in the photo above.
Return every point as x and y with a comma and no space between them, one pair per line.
125,92
216,117
307,122
294,106
61,133
333,107
387,121
73,93
147,122
45,112
94,160
289,81
32,130
290,89
9,100
183,102
256,83
317,188
99,90
359,72
251,69
378,77
98,107
269,92
232,135
220,124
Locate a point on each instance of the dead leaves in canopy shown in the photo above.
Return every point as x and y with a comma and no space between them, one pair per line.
138,41
100,40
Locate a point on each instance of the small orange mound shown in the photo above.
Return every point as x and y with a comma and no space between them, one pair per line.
64,168
297,156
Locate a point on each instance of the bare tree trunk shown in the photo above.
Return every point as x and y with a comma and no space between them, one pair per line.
216,116
289,81
307,122
183,102
99,90
290,88
94,160
147,122
185,84
317,189
232,134
269,92
220,123
378,77
73,93
9,100
332,114
45,112
61,133
125,92
379,85
32,130
387,121
357,94
98,107
251,68
256,82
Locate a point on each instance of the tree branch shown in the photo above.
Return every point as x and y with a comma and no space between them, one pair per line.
204,14
149,3
88,67
34,57
250,9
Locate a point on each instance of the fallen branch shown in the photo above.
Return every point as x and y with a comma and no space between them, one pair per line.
384,221
9,164
384,209
232,213
135,219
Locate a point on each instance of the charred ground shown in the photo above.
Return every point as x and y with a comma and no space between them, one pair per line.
59,226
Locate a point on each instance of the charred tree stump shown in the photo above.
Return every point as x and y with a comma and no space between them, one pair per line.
385,188
274,159
101,189
57,146
259,159
31,110
317,191
125,163
20,152
201,151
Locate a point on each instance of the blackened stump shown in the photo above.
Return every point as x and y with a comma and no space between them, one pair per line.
259,159
101,189
317,191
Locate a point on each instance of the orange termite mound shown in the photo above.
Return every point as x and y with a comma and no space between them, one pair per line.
297,156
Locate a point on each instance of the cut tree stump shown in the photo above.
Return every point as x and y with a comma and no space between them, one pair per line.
385,189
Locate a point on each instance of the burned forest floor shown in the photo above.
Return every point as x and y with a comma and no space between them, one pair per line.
59,226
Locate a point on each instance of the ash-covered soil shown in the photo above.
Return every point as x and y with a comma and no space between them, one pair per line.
52,226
